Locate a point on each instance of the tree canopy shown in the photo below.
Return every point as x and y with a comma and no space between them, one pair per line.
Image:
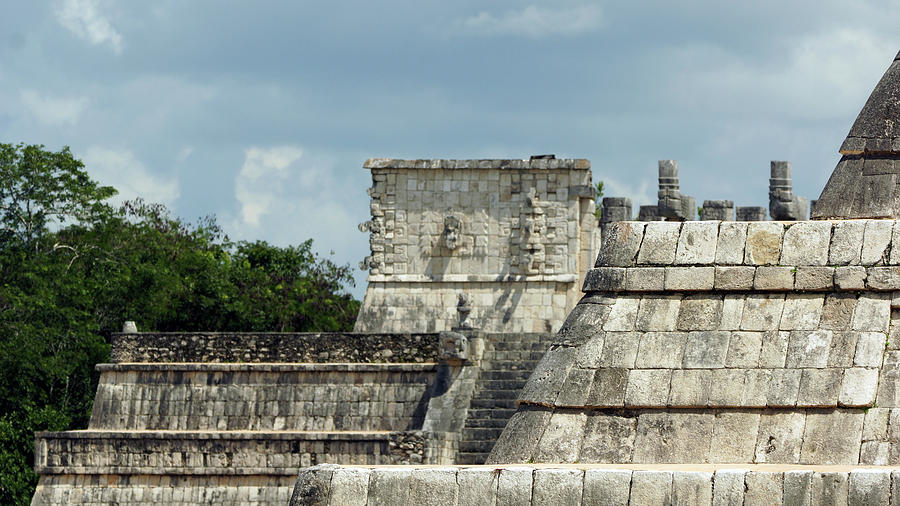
73,269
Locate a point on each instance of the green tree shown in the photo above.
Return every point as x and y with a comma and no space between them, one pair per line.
72,269
598,191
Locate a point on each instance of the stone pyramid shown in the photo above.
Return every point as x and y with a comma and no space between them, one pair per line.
864,183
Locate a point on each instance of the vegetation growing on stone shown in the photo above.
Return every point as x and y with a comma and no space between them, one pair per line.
73,268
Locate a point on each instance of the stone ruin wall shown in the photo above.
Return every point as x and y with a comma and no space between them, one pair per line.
514,236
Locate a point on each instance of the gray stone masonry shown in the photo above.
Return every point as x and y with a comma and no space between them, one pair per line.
615,209
672,205
750,213
721,210
783,204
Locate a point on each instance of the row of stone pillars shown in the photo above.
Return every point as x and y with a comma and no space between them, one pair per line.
672,205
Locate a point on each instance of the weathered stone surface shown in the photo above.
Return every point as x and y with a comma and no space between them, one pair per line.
645,279
514,486
313,486
780,437
872,312
774,349
608,387
673,437
706,350
608,438
621,242
477,486
732,312
692,488
548,377
819,387
875,453
557,486
870,349
729,387
743,349
763,245
875,425
730,244
814,278
806,243
801,311
660,243
658,312
798,487
737,277
883,278
604,279
519,439
846,243
648,387
697,243
763,488
843,349
808,348
876,242
690,278
829,488
858,387
889,382
623,314
690,388
651,488
718,210
869,487
607,486
783,388
774,278
832,437
762,312
389,486
837,311
728,487
561,440
699,312
661,349
733,438
350,486
433,486
620,349
850,278
576,388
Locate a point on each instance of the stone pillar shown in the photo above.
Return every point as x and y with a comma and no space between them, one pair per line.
615,209
721,210
672,205
783,204
751,213
648,213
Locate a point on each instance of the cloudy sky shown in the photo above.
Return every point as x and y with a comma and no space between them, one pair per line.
263,112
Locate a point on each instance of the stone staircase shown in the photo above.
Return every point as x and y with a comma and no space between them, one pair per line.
506,366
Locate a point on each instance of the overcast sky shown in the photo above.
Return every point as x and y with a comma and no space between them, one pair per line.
263,112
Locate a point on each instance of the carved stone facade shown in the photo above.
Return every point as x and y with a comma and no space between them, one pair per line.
515,235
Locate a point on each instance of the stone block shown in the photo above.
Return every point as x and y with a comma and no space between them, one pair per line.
875,453
576,388
661,349
858,387
557,486
513,486
850,278
889,382
590,351
806,243
650,488
843,349
561,438
798,487
623,314
783,388
728,487
773,351
763,488
802,311
757,383
658,312
548,377
608,438
697,243
832,437
621,241
808,348
814,278
819,387
604,279
743,349
729,387
388,486
829,488
846,242
433,486
733,438
699,312
691,487
730,243
477,486
732,312
620,349
774,278
690,388
876,242
837,311
883,278
873,313
645,279
734,277
690,278
648,387
763,245
706,350
519,440
780,437
875,425
869,487
673,437
870,349
350,486
607,486
762,311
608,387
660,243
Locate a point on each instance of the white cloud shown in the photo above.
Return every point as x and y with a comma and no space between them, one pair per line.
84,19
54,111
639,194
536,21
123,171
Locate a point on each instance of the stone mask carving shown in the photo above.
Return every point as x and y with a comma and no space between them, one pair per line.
451,232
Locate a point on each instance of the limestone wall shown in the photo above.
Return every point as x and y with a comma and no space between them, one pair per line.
515,236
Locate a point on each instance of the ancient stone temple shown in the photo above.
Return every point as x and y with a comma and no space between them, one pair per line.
711,362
